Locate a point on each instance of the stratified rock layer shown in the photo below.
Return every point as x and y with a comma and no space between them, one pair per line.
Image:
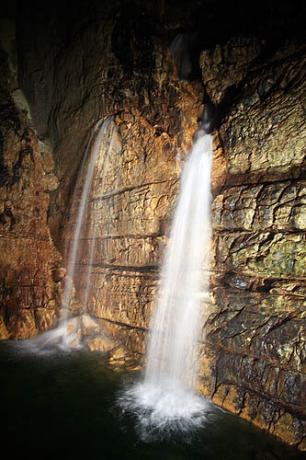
28,293
255,333
116,62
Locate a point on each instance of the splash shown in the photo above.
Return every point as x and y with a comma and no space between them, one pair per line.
167,397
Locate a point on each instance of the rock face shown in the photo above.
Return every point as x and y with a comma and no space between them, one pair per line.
134,186
256,330
28,293
114,61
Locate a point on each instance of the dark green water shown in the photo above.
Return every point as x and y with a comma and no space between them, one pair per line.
62,406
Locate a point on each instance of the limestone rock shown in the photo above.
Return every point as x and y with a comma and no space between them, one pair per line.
253,346
73,326
4,333
45,318
27,253
100,343
121,359
89,325
59,274
22,324
225,67
75,340
49,183
255,334
263,128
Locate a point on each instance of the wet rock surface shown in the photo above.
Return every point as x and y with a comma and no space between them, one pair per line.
253,354
256,327
28,293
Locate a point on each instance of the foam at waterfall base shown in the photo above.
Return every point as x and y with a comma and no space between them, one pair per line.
65,337
162,410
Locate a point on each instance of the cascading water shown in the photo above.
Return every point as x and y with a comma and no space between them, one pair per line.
167,399
66,333
90,158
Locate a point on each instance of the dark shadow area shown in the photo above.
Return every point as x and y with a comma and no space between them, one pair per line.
64,405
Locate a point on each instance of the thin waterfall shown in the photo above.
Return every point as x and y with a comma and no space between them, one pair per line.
103,130
167,395
108,141
84,229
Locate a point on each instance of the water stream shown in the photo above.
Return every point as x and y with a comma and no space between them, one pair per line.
166,399
87,166
67,333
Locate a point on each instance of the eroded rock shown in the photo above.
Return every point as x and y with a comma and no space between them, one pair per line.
253,349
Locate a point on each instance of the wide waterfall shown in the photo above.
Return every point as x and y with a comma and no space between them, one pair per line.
167,398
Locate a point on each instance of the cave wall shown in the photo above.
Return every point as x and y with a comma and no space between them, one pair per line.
29,295
256,330
121,68
114,60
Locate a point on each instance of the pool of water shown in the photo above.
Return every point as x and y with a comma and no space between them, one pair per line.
64,405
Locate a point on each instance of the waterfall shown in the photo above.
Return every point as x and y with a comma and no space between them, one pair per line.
175,324
67,333
87,165
167,395
102,137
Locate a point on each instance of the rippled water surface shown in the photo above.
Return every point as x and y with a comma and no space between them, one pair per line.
65,406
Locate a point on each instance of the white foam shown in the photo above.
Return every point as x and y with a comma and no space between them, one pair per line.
167,400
